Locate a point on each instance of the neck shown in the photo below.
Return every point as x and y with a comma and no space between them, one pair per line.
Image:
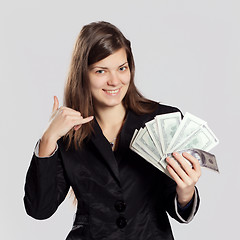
110,116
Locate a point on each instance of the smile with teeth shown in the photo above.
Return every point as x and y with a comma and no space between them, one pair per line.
112,92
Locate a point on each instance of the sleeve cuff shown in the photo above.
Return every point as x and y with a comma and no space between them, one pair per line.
185,207
36,150
179,209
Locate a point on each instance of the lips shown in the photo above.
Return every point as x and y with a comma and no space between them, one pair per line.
112,92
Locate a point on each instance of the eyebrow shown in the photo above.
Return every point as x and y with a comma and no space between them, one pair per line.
106,67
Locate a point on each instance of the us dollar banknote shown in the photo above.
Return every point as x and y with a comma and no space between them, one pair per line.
145,141
203,138
167,133
134,146
153,132
167,125
188,126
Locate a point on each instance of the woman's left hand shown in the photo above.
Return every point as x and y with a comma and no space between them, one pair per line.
185,175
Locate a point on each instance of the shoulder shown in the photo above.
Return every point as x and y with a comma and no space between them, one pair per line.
164,109
159,108
139,120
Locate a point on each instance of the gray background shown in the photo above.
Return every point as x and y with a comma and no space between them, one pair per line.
187,54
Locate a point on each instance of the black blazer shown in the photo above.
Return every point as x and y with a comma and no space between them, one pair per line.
120,195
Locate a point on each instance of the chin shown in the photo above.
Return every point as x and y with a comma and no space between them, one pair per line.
113,104
108,103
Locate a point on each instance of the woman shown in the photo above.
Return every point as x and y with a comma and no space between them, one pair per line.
86,147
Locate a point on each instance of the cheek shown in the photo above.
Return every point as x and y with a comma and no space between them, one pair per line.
126,79
97,83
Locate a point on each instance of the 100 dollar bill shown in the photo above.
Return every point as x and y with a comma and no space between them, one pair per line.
166,133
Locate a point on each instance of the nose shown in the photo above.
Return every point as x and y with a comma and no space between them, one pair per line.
113,80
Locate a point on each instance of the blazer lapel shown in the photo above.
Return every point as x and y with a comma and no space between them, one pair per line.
132,122
105,150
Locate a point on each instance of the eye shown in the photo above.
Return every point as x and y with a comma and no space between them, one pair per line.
100,71
124,68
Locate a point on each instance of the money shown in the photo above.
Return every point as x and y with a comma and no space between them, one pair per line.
167,133
189,125
153,132
167,126
134,146
145,141
202,138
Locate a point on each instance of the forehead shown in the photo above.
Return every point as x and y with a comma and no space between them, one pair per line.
114,60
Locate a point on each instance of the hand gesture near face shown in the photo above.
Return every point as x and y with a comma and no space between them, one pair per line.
62,120
185,175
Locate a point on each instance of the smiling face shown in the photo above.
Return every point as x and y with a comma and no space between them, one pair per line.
109,80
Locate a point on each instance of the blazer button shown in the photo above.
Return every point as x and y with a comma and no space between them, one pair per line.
121,222
120,206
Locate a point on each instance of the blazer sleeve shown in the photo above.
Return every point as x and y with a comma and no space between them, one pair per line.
46,185
184,215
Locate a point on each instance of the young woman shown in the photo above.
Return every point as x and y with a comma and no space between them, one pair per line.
86,147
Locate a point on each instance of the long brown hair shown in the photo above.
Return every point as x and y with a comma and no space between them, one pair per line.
95,42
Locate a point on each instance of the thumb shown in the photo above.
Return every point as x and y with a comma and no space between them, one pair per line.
55,104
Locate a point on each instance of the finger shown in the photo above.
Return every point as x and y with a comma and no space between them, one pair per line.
76,127
55,104
195,163
174,175
178,169
65,111
86,120
79,121
187,167
190,171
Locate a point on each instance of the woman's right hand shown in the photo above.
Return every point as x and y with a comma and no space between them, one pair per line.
62,120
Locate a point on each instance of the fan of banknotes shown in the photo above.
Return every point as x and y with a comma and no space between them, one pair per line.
167,133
